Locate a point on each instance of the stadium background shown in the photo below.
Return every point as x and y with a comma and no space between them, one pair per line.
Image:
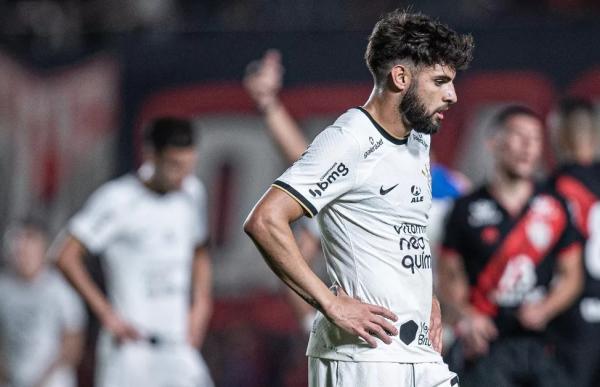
78,80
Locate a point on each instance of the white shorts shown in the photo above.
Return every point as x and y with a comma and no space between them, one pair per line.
332,373
143,364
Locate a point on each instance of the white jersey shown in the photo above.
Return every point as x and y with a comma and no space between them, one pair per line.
33,318
146,241
372,193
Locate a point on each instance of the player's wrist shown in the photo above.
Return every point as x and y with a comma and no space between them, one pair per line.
328,304
105,315
269,104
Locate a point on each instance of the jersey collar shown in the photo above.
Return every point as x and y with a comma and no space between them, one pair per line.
380,129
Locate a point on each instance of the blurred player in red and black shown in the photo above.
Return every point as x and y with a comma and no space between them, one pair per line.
511,262
578,180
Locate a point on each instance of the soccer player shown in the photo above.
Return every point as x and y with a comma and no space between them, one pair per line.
151,231
41,318
511,262
367,177
578,180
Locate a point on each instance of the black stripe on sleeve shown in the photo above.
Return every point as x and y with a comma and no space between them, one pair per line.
308,207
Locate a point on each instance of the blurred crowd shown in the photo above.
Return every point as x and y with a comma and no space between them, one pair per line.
58,25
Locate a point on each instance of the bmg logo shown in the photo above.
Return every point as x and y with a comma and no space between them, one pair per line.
321,186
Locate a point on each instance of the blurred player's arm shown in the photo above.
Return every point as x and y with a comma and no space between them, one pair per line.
475,329
269,227
566,287
70,252
435,324
202,302
69,356
263,82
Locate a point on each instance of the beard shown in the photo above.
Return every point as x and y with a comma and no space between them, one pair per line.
414,112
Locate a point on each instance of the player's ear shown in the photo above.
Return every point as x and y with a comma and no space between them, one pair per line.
491,142
148,154
399,77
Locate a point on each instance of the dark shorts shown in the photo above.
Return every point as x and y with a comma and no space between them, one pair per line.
578,349
516,362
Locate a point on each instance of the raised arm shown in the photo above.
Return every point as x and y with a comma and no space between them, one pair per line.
269,227
263,82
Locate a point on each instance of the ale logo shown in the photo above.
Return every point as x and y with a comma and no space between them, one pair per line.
416,192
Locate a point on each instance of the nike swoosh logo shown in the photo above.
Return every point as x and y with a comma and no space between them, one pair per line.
386,191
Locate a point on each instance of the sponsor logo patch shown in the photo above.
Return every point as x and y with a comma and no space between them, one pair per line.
416,192
336,171
374,146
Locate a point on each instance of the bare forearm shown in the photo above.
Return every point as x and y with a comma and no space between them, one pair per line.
202,304
287,263
71,264
284,131
452,289
562,295
276,243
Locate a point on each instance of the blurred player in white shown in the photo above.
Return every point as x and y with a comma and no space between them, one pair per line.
41,318
367,177
150,229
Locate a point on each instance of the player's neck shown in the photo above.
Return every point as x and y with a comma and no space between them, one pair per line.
383,107
154,185
584,156
511,192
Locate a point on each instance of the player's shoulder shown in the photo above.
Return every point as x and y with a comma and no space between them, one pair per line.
340,136
194,188
353,123
476,194
351,120
119,187
547,192
355,129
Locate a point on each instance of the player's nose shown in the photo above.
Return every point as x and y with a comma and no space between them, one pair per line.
450,96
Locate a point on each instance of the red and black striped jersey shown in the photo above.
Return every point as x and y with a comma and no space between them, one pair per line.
509,259
580,185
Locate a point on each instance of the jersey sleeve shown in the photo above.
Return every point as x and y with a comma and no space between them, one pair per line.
327,170
96,223
570,237
452,239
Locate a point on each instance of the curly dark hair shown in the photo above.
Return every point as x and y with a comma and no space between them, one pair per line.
402,35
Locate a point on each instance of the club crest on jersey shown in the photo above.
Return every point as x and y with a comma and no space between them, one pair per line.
336,171
539,234
483,213
517,281
416,192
